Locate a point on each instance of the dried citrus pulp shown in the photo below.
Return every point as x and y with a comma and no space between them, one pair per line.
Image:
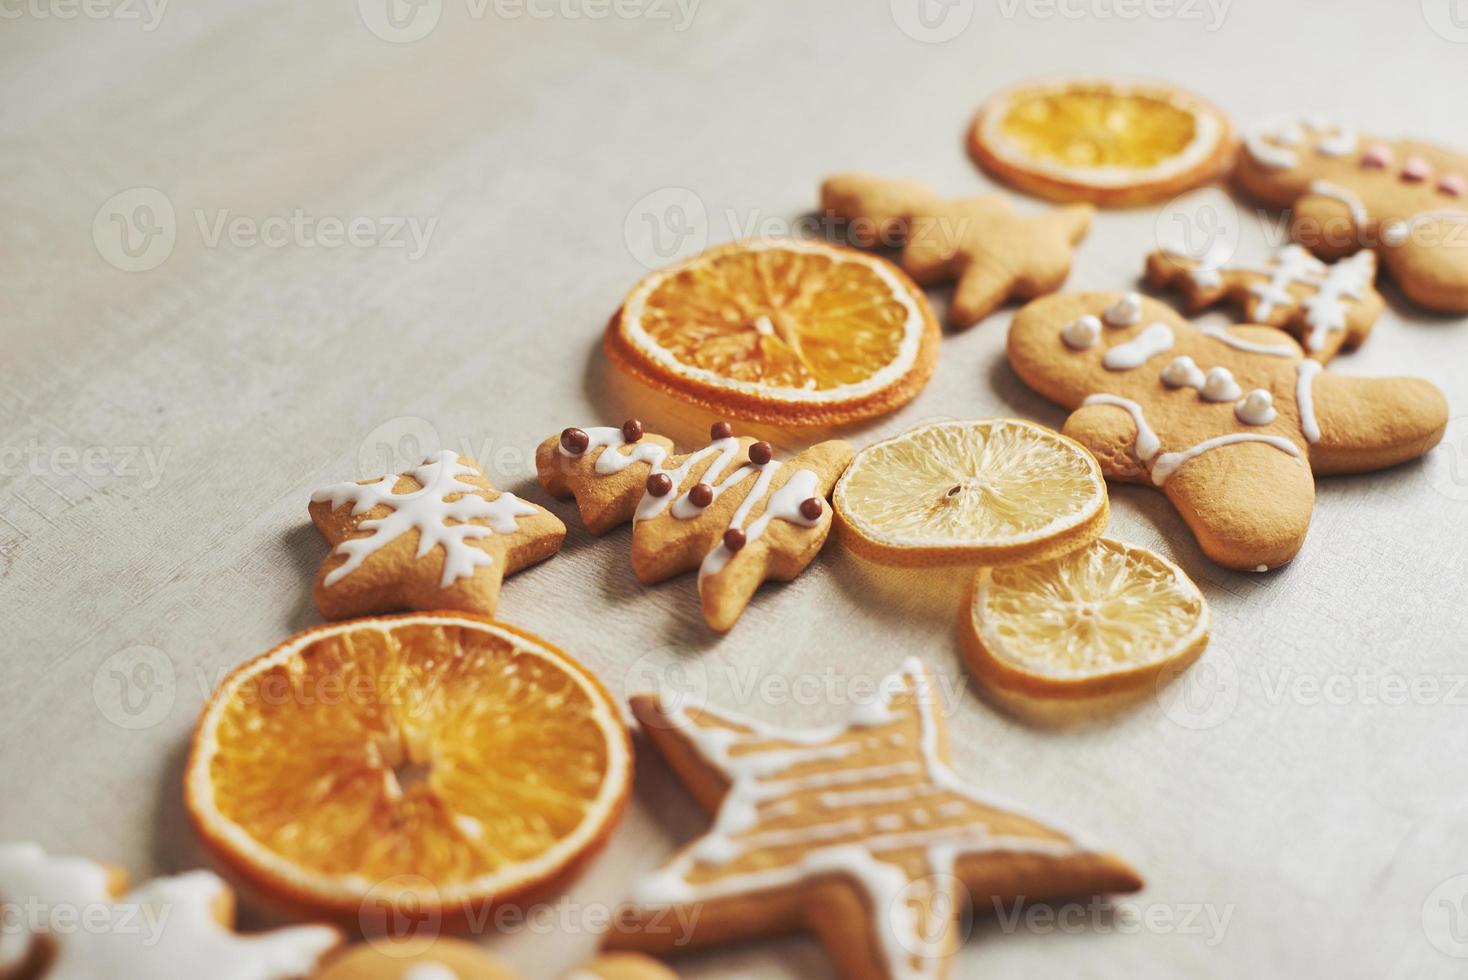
1110,142
432,757
785,331
985,492
1105,619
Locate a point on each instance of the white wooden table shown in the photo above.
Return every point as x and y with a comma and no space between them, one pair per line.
273,322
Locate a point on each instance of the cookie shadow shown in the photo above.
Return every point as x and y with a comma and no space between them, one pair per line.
305,550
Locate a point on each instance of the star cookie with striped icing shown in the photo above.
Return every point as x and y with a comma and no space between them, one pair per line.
1326,306
175,928
1231,425
437,537
1406,200
729,509
980,243
860,833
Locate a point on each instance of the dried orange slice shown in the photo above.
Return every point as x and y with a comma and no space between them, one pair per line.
986,492
1113,142
430,760
1099,621
787,331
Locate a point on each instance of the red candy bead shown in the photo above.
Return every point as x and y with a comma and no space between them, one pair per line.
721,430
575,440
631,430
760,453
811,508
701,495
659,484
734,539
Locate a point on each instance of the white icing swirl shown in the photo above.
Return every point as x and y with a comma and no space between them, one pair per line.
1156,339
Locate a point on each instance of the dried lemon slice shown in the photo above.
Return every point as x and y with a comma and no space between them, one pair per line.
1105,619
987,492
1111,142
435,759
785,331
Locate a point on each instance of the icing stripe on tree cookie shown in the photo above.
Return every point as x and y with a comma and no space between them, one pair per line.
784,504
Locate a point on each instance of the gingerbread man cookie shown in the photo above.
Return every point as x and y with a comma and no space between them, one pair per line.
860,833
1326,306
1230,424
439,536
729,510
175,928
980,242
1402,198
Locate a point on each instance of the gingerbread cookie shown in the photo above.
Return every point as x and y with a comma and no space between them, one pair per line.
175,928
1348,191
1326,306
861,833
729,510
1230,424
980,242
439,536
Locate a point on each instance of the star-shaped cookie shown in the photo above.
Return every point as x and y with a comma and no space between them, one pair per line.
177,927
860,833
437,537
1327,306
729,509
980,242
1232,425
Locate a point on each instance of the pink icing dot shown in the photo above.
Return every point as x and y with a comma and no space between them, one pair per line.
1415,169
1378,156
1454,184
